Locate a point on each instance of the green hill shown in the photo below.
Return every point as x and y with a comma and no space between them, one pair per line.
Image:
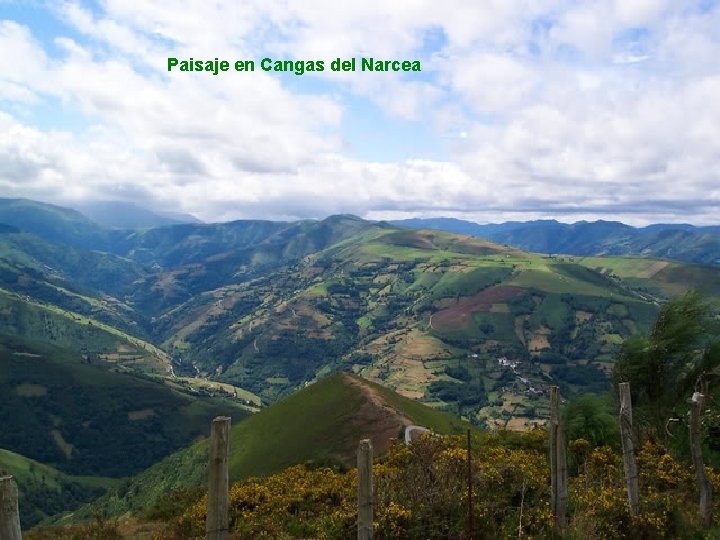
270,306
430,314
45,491
321,423
86,420
94,341
56,224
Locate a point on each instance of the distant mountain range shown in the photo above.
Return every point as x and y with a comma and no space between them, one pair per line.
227,300
127,215
681,242
88,224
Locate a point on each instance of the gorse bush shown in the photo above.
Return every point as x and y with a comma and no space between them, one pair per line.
598,504
421,492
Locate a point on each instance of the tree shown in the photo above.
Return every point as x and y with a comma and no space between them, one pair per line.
664,366
592,417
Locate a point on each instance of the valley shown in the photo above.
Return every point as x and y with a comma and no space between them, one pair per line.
460,323
111,338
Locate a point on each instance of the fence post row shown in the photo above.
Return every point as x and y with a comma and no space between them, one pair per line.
365,490
628,449
558,462
216,525
9,512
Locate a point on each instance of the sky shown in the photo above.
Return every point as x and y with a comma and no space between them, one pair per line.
524,109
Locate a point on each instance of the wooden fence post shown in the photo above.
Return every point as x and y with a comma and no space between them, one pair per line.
470,524
365,490
9,512
628,449
704,487
216,526
558,462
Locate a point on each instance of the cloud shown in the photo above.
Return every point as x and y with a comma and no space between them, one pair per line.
551,108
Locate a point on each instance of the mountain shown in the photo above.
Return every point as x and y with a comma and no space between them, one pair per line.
453,225
320,424
53,223
680,242
429,314
128,215
27,260
268,307
191,259
113,338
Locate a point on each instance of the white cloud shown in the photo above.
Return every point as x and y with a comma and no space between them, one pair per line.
553,108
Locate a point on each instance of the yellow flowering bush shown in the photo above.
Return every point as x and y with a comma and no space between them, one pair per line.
598,503
299,502
421,492
510,487
659,471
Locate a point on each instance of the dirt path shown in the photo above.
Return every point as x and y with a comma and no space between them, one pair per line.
379,421
374,396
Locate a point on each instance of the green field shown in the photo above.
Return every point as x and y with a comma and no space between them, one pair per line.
52,325
321,424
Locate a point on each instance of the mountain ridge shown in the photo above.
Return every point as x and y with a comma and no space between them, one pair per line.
267,306
342,408
682,242
128,215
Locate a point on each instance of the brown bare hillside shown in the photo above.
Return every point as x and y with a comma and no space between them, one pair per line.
375,418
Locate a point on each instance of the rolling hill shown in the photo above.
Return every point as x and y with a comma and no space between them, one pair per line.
45,491
113,338
431,315
462,323
93,341
320,424
83,419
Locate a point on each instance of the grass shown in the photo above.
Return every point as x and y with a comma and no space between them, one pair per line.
673,278
61,405
319,289
551,311
625,267
314,424
53,325
24,469
422,415
548,280
311,424
317,424
277,380
468,283
364,322
44,491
